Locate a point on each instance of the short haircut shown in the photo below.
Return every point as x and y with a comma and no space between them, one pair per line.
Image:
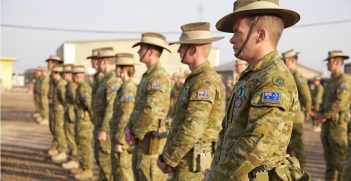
272,23
206,49
158,49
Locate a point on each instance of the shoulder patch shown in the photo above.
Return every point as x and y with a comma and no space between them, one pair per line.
202,94
156,85
301,81
128,98
279,81
344,86
271,97
114,88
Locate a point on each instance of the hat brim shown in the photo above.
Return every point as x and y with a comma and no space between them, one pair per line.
154,44
226,23
92,57
109,56
198,41
56,60
345,57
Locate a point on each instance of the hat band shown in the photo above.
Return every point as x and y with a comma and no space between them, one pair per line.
339,54
290,54
153,41
124,60
195,35
257,5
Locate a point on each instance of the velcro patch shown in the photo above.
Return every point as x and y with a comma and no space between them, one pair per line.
271,97
114,88
202,94
156,85
128,98
344,86
301,81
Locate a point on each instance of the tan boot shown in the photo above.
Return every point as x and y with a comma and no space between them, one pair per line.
85,175
76,171
53,151
70,165
61,157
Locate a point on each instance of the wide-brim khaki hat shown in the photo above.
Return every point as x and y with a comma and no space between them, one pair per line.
290,53
106,52
155,39
196,33
57,68
78,69
244,8
124,59
54,58
94,54
67,68
336,53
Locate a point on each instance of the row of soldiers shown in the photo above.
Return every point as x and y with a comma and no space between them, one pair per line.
247,139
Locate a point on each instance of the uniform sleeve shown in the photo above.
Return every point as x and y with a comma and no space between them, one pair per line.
269,129
319,98
86,96
341,99
196,119
127,108
147,121
62,93
305,93
111,91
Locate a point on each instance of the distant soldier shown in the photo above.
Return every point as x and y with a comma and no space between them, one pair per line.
317,96
105,95
36,93
51,62
98,76
146,125
296,145
175,91
70,118
84,133
58,101
334,115
240,66
44,99
199,110
123,107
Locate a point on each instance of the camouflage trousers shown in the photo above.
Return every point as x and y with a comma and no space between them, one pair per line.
103,155
44,108
59,131
85,137
52,125
334,140
122,166
346,172
70,127
296,145
144,164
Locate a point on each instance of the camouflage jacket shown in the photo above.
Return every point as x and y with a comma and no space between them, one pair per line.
124,104
152,101
82,102
71,89
337,96
199,113
44,88
36,87
51,89
59,95
317,96
304,92
258,124
104,99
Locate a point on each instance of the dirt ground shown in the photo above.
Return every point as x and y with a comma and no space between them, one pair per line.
23,144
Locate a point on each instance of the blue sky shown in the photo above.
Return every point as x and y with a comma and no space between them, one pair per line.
31,47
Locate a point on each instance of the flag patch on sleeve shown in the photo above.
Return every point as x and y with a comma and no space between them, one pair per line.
128,98
202,94
156,85
271,97
114,88
344,86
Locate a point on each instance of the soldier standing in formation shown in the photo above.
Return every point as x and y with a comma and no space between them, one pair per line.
70,118
199,110
105,95
58,100
317,96
296,146
124,103
259,120
334,116
176,87
146,125
44,100
84,126
36,93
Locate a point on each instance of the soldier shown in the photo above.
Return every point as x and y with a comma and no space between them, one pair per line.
58,101
257,127
82,103
176,87
123,107
199,110
105,95
70,118
51,62
240,66
335,115
317,96
36,93
146,125
98,76
43,99
296,146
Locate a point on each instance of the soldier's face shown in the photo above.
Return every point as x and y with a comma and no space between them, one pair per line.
334,64
50,64
67,76
102,65
95,64
184,53
142,52
290,63
118,71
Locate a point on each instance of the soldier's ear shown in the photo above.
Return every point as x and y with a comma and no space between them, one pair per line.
261,35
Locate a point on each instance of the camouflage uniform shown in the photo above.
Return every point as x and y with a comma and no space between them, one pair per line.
194,132
150,110
336,109
175,91
70,119
104,98
36,94
58,100
124,104
258,124
44,99
317,96
51,109
296,146
84,125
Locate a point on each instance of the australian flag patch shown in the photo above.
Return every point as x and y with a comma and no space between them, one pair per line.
156,85
271,97
128,98
202,94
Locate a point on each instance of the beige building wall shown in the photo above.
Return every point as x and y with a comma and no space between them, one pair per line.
77,51
6,70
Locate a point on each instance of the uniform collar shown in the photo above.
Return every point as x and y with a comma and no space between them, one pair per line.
200,68
153,68
264,62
